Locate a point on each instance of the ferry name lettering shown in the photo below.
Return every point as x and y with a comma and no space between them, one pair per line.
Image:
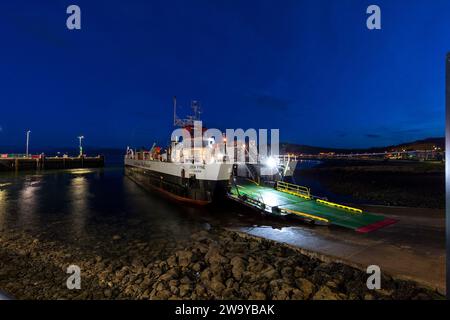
194,167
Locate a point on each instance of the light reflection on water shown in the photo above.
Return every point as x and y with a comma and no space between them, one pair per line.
80,171
28,202
292,235
90,205
79,197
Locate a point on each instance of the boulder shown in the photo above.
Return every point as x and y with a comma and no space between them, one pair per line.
270,273
214,256
197,266
172,261
169,275
258,296
185,289
305,286
217,286
238,267
325,293
205,275
184,258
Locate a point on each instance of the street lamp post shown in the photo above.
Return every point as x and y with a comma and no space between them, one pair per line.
81,147
28,141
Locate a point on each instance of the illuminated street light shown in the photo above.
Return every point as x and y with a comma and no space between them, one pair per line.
28,141
81,147
225,144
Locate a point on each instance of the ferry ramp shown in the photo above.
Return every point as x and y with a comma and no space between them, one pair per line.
290,200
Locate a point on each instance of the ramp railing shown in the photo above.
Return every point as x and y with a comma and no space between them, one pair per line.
294,189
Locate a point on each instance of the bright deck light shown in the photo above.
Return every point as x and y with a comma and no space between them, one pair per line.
271,162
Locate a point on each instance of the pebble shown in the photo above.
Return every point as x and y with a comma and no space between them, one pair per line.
214,264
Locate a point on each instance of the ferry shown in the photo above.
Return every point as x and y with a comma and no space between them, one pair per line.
193,170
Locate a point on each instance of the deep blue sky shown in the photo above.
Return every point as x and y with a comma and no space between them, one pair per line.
310,68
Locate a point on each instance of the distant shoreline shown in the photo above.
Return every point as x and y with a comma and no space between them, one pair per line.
395,183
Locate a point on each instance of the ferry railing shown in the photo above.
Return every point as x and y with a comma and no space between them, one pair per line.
293,189
285,158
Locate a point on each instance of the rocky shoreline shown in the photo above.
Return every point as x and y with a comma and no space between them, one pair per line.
213,264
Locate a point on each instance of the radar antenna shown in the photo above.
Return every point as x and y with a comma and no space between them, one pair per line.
189,120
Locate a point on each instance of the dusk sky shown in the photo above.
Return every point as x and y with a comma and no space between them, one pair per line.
310,68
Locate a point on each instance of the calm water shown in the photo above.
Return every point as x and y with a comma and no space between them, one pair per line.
77,202
90,205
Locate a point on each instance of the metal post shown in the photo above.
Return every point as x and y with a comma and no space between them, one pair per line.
225,147
174,110
28,141
81,147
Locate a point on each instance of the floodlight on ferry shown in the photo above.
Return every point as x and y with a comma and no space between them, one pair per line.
271,162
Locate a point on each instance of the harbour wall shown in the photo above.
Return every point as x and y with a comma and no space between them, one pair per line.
48,163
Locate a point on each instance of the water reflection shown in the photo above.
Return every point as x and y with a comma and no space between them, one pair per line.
81,171
92,205
157,216
28,201
79,197
302,237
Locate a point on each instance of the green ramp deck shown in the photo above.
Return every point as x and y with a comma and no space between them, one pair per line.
306,207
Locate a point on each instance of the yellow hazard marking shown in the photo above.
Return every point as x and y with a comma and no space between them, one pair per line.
332,204
253,181
299,213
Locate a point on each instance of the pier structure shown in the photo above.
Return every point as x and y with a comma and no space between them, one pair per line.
11,162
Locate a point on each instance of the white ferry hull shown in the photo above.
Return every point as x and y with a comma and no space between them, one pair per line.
195,183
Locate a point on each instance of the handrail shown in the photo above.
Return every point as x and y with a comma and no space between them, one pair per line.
307,215
340,206
294,189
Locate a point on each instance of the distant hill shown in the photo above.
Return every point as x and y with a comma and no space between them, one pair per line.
425,144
